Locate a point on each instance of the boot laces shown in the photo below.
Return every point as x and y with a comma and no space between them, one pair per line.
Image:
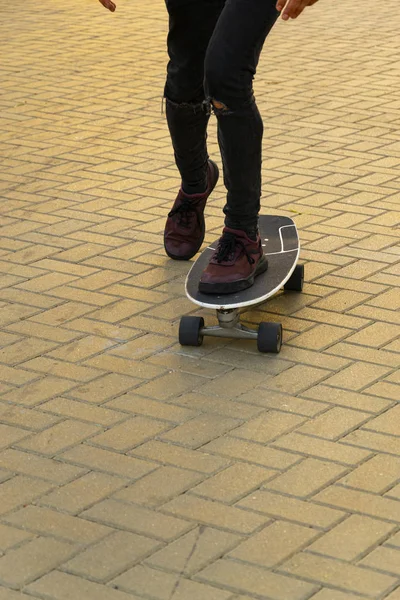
227,246
184,213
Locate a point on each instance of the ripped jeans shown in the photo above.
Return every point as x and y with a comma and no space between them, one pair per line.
214,47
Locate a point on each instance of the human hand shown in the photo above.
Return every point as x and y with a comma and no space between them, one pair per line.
108,4
291,9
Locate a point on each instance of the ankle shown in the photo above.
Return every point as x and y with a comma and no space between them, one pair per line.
194,189
251,232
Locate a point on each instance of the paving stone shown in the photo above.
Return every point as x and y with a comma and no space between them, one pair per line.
104,388
170,386
7,594
133,403
62,314
123,366
329,594
324,449
38,466
268,426
320,337
274,544
376,335
373,441
376,356
297,379
334,423
49,522
284,403
292,509
142,579
138,520
232,384
82,349
360,502
107,461
376,475
38,391
33,559
20,490
306,478
193,551
357,376
248,451
85,491
233,483
214,514
338,574
62,586
10,537
394,595
256,581
159,486
59,437
342,300
10,435
143,346
110,556
352,538
25,350
394,541
185,458
238,408
200,430
383,559
131,433
385,423
347,398
60,368
384,389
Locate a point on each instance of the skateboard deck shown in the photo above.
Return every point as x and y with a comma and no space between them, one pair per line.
281,246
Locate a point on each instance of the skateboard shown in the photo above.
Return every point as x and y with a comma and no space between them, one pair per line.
282,248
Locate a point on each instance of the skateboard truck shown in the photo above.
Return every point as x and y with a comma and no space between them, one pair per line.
192,331
230,326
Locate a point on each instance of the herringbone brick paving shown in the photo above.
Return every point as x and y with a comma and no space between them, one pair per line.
132,468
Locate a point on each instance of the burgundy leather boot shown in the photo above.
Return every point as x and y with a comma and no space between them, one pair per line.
234,265
185,226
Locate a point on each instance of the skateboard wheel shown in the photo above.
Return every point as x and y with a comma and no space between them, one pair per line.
269,337
190,331
296,280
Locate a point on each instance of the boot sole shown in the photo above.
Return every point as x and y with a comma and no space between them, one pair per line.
234,286
189,256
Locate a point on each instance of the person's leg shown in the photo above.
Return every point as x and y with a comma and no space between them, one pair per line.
191,24
230,66
231,62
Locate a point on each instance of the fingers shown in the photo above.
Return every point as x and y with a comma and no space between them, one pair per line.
280,5
108,4
294,8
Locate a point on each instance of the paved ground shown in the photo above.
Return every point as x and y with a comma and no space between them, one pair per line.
131,467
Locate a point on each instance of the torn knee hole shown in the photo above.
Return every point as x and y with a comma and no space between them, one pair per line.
194,107
220,106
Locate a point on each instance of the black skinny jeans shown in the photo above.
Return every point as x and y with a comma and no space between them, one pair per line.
214,48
